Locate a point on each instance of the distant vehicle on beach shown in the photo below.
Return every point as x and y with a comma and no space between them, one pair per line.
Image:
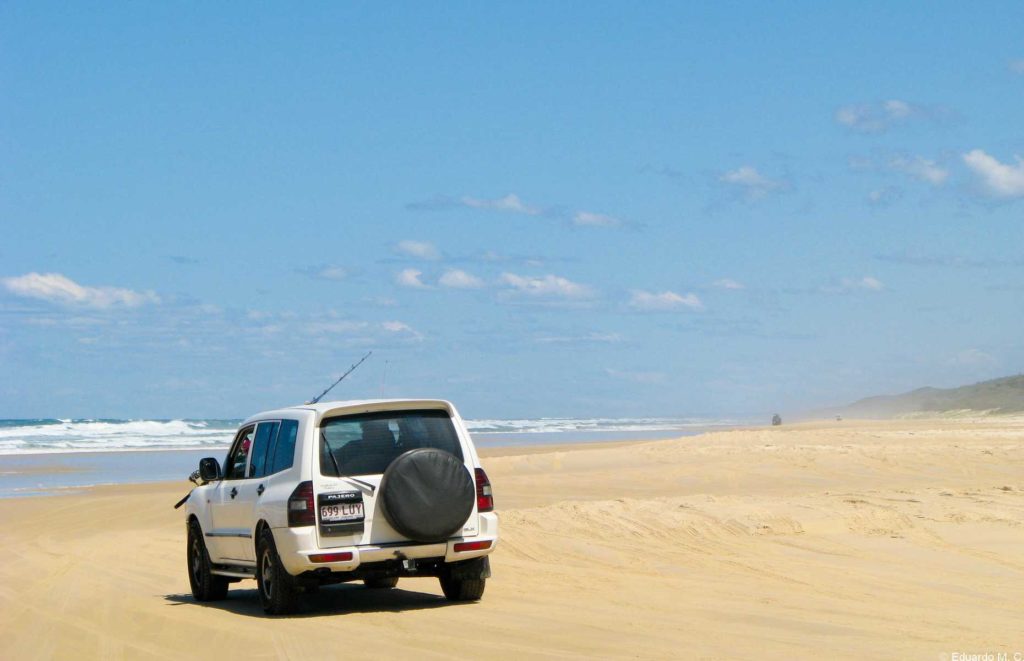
343,491
776,420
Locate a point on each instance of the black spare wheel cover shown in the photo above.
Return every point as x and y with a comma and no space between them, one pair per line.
427,494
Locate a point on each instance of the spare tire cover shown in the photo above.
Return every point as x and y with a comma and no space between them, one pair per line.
427,494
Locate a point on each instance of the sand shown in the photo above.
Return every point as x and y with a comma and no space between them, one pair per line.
831,540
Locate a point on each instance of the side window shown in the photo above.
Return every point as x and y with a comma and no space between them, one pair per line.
284,450
238,457
265,434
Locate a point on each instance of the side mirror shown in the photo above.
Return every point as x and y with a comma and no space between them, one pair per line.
209,469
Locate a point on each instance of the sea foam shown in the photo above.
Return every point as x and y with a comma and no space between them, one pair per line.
95,435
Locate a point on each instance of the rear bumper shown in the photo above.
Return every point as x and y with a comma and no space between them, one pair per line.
295,546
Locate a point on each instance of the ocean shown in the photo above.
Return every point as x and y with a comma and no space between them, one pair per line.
46,456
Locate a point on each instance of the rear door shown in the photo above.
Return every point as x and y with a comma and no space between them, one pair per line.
353,452
227,538
266,481
241,511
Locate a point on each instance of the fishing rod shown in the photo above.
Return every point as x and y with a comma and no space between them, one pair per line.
194,477
350,370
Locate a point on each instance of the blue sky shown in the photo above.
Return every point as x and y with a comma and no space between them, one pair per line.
533,210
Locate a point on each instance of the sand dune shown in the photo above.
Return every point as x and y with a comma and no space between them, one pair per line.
852,540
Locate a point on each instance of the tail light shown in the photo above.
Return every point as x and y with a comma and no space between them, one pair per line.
484,499
301,511
472,546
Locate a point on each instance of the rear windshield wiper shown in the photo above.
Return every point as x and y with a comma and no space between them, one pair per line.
330,453
337,469
365,485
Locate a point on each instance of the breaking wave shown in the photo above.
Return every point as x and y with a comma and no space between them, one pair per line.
42,436
588,425
98,435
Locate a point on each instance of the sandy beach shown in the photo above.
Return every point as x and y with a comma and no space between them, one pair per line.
859,540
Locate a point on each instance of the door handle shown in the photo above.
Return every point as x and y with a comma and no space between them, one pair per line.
234,492
260,490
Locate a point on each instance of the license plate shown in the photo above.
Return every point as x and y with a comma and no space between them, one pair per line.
341,512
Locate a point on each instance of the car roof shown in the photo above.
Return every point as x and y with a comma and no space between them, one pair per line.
350,406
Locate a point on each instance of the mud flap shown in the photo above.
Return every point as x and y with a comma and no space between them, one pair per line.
471,569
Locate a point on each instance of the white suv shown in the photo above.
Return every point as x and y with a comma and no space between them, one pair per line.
343,491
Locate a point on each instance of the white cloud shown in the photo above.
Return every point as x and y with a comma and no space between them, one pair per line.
588,219
867,282
418,249
362,330
999,179
403,328
510,203
728,283
410,278
898,109
78,322
57,288
548,285
333,273
880,117
855,117
396,326
754,184
849,285
920,168
459,279
1017,66
666,300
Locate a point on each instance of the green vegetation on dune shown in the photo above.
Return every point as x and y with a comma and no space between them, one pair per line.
1005,395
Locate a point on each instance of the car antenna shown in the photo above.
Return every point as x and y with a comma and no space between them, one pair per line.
340,378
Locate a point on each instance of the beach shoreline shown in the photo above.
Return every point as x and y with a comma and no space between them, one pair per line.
26,475
851,540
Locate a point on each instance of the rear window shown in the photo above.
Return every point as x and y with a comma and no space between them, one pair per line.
365,444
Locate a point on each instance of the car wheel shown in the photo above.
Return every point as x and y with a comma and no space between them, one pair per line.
380,583
463,589
205,585
279,594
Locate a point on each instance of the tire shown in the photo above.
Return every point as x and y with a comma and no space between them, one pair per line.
463,589
205,585
427,495
381,583
279,593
